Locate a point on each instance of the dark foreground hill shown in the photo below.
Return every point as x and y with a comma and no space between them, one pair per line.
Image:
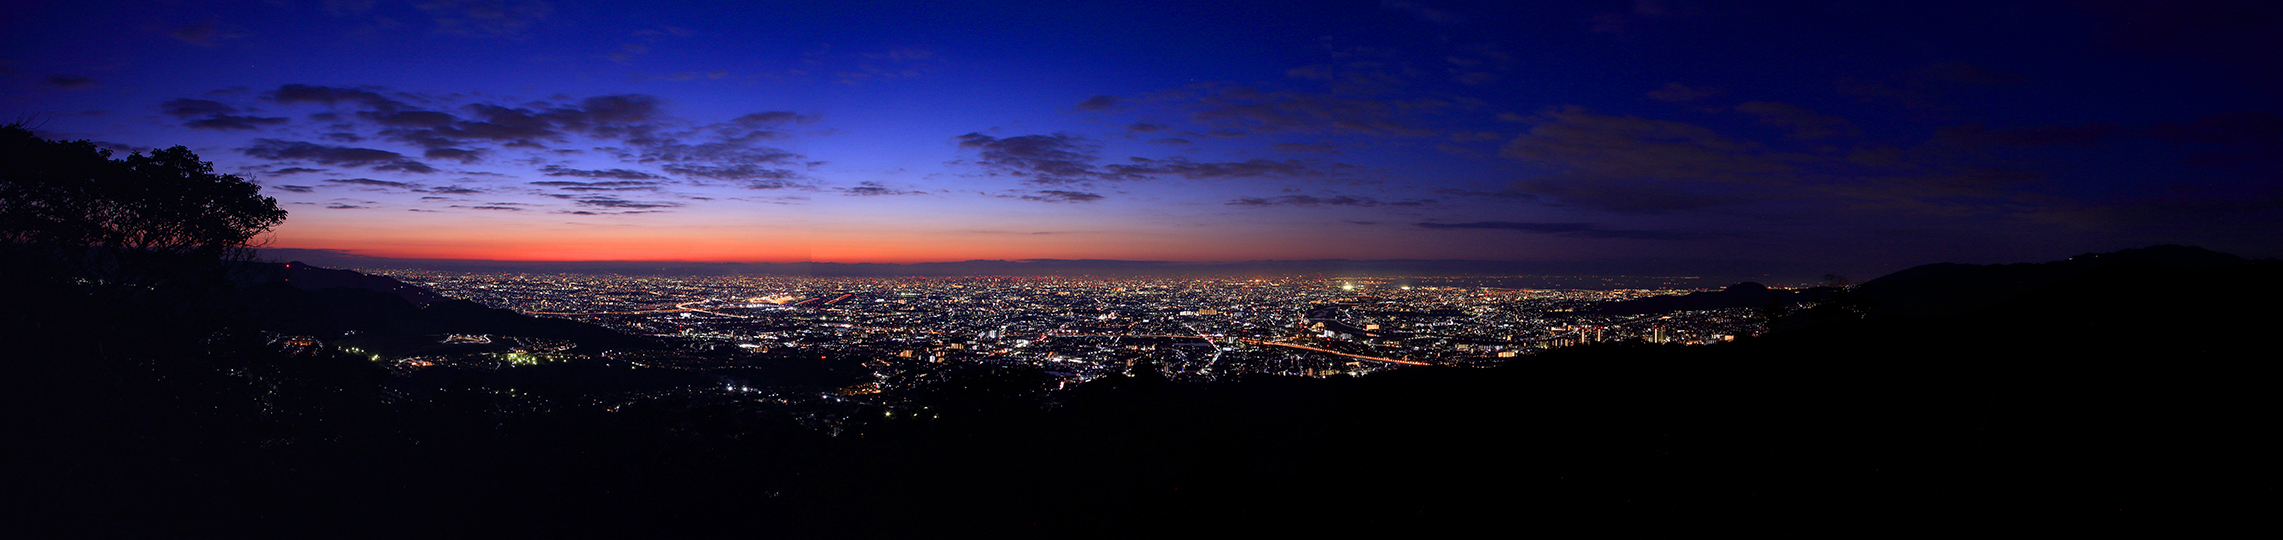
2124,397
396,318
311,278
1951,289
1742,295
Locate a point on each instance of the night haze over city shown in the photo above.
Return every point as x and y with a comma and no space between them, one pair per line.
1626,137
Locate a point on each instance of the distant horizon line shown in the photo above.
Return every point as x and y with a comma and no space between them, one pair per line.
349,255
1673,270
1603,270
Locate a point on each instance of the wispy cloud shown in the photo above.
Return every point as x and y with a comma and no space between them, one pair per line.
870,189
70,81
631,128
1585,230
376,159
1061,196
1310,200
368,182
1064,158
209,114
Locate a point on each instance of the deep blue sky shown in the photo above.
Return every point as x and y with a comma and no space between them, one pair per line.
1862,137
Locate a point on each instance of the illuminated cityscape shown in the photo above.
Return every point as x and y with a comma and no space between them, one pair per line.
1074,329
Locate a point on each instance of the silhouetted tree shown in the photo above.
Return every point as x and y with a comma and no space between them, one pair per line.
148,235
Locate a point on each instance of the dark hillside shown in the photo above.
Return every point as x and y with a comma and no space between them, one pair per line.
2119,398
1742,295
1950,288
393,325
303,276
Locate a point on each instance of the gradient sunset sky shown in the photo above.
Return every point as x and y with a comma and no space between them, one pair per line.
1862,136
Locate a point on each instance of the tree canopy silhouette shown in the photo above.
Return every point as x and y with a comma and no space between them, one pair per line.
152,232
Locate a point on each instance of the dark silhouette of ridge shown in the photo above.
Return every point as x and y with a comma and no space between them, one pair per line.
1936,289
396,318
1951,288
1741,295
309,278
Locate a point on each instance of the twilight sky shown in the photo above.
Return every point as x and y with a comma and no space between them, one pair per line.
1859,136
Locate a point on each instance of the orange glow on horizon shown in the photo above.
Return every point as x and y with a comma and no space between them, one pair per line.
917,248
683,245
719,239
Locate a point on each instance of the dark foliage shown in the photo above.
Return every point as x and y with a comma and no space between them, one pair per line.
142,242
